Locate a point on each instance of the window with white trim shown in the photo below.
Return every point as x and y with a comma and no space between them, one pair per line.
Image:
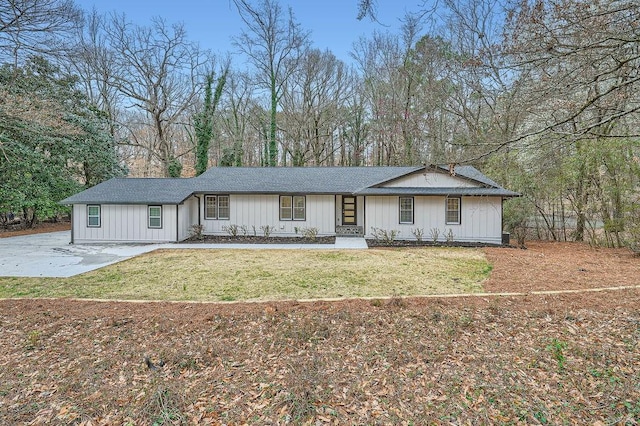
155,217
453,211
293,207
217,207
93,216
406,210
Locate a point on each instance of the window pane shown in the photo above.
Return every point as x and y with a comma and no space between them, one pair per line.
406,216
210,208
298,208
93,216
285,213
223,207
298,202
406,203
285,201
286,210
453,210
406,210
155,217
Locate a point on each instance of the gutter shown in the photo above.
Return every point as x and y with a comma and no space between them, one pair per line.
177,223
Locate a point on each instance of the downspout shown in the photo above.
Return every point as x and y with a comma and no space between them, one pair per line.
364,216
501,216
72,208
177,223
199,220
335,216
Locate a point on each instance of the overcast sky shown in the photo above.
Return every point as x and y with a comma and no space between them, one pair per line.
213,23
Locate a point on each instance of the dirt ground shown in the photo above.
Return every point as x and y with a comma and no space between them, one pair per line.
37,229
534,359
547,265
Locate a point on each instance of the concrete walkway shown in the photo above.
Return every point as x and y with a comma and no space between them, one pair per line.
51,255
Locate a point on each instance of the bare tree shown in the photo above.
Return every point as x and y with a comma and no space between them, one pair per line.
242,143
159,73
311,104
36,27
273,41
93,59
354,132
393,79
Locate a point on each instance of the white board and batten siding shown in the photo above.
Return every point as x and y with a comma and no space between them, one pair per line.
481,218
256,210
429,180
123,223
188,216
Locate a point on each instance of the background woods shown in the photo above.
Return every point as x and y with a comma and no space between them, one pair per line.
541,95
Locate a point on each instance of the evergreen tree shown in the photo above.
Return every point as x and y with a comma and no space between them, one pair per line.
52,141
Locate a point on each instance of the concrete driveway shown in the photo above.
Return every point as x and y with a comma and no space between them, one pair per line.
51,255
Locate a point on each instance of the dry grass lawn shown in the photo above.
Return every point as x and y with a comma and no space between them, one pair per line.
253,275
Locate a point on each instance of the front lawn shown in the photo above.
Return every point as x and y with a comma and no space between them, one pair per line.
243,275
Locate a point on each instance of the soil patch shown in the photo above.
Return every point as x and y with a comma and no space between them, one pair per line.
549,265
257,239
15,230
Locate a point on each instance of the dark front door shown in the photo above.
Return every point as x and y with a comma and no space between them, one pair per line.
349,210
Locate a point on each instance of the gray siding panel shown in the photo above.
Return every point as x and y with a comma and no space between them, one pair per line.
481,218
124,223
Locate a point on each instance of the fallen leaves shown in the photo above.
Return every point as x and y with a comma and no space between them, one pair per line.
429,361
412,361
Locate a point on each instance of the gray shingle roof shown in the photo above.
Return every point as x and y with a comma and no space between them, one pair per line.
275,180
291,180
135,191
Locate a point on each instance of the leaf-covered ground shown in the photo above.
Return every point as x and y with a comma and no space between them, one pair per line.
554,359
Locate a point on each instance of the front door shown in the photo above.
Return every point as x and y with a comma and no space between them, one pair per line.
349,210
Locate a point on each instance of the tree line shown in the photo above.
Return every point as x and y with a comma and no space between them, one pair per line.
541,95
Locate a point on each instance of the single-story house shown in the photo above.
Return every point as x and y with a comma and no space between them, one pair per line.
459,204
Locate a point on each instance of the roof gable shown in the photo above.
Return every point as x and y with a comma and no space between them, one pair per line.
430,179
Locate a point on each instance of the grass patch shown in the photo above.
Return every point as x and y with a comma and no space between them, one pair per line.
228,275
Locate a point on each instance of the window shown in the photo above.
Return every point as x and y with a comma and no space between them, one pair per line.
453,211
155,216
292,207
406,210
216,207
93,216
286,208
299,208
223,207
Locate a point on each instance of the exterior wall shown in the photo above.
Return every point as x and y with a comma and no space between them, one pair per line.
261,210
123,223
481,218
429,180
188,215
